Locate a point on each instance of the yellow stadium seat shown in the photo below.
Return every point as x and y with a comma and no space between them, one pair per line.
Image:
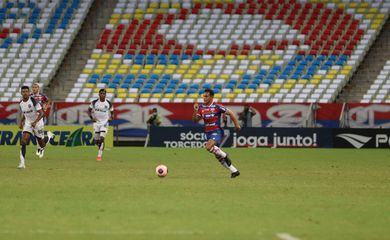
145,71
98,71
180,71
106,56
156,95
150,10
230,95
157,71
149,66
210,62
134,71
145,95
188,76
249,90
122,71
252,57
153,5
89,85
237,90
242,57
87,71
122,95
116,61
315,81
224,76
264,57
330,76
260,90
164,5
269,62
133,95
218,95
95,55
287,86
253,67
276,85
238,71
291,81
218,56
111,71
113,66
113,21
200,76
212,76
169,71
169,95
194,95
160,66
275,57
302,81
96,90
272,90
348,67
230,57
181,95
192,71
172,66
121,90
126,16
176,5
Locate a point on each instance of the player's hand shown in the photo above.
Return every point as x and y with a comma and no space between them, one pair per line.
238,128
33,124
21,126
196,106
94,120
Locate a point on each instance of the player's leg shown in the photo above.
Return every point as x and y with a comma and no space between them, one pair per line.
103,132
42,140
213,147
23,143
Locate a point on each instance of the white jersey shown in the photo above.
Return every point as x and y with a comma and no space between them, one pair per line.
30,109
101,110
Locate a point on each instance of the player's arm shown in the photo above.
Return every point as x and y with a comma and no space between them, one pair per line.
90,114
22,120
111,116
195,115
40,116
234,119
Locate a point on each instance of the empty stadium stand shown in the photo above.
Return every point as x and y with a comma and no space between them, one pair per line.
247,51
34,38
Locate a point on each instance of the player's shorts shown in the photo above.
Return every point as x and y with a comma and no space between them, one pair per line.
100,130
38,130
215,135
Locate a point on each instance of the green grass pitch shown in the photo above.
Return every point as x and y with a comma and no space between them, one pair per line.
302,193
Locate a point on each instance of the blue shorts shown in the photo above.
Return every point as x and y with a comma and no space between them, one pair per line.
215,135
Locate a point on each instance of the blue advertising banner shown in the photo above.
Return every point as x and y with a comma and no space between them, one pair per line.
194,137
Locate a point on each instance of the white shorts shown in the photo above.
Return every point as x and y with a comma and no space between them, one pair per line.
38,130
100,130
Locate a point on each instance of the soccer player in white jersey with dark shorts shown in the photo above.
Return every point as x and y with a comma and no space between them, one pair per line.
101,113
31,123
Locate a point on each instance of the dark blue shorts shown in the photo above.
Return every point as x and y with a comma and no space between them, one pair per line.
215,135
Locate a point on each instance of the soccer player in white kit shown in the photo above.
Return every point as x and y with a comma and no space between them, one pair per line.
101,113
31,123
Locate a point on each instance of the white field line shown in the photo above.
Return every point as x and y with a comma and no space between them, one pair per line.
286,236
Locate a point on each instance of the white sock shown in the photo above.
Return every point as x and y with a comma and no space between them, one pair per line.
218,152
100,152
21,158
232,168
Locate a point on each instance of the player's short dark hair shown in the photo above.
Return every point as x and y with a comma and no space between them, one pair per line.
25,87
211,92
102,90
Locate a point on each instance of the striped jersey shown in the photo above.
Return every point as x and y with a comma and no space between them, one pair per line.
211,116
40,98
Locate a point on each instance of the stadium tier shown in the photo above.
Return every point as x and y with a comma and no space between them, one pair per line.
34,38
380,89
247,51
